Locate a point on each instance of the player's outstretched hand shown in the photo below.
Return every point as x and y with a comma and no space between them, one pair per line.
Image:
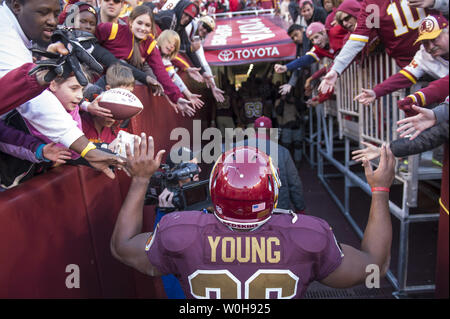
384,175
143,162
370,152
418,123
366,97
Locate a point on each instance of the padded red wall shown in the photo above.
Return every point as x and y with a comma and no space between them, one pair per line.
67,215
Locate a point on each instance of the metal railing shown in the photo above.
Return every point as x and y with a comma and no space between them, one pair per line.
242,13
377,124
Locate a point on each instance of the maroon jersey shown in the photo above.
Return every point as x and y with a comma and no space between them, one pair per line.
397,27
119,40
278,260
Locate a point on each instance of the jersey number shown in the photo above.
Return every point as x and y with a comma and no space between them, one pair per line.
260,285
253,109
412,23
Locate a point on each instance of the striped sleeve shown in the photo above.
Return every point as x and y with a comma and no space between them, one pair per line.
408,75
357,37
180,63
396,82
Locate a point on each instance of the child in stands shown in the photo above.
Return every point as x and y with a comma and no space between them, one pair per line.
168,43
103,128
68,93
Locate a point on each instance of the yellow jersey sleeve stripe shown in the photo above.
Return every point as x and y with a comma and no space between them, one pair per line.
408,76
413,97
313,55
132,48
114,29
357,37
151,47
422,98
182,61
170,68
442,205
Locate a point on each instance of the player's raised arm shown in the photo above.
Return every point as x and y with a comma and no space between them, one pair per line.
376,243
127,241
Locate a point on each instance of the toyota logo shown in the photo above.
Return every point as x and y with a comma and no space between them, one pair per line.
226,55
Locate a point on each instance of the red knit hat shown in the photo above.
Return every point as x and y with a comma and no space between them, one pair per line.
313,28
351,7
70,9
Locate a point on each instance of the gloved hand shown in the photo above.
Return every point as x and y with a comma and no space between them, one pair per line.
406,106
66,64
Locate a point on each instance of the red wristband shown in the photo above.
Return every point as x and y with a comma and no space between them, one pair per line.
380,189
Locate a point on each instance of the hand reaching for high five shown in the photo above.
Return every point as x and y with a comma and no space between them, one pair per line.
384,175
418,123
370,152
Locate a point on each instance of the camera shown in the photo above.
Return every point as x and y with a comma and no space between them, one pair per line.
185,196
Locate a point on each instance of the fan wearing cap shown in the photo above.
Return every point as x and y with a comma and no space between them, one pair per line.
80,15
317,34
431,59
291,190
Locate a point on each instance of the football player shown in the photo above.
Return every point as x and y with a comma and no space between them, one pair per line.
245,249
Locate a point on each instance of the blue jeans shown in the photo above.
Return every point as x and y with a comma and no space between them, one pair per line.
171,284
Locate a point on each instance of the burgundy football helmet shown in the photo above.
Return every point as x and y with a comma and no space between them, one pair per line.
244,187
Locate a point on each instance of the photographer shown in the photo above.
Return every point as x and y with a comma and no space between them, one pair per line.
166,205
165,199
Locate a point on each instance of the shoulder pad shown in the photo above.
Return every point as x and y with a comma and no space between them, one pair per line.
310,234
178,230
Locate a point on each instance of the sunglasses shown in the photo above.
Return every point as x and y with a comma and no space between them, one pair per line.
207,28
345,19
115,1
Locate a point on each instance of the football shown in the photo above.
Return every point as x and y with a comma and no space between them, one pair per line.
122,103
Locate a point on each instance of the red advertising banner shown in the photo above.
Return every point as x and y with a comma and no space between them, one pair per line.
248,39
